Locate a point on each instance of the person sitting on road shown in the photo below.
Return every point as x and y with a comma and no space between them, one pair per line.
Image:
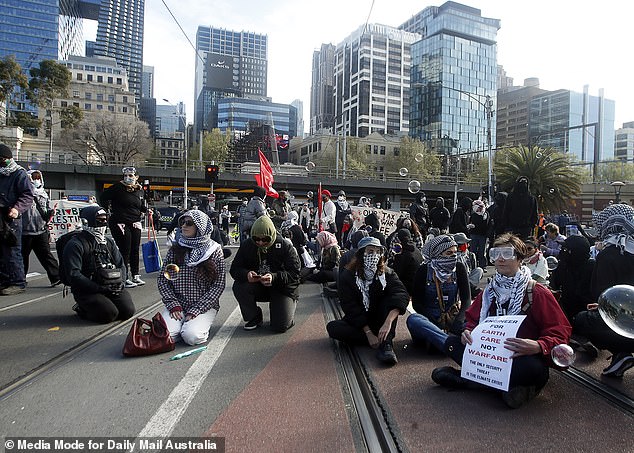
266,269
372,297
89,259
329,262
408,224
192,279
535,261
544,328
552,240
441,292
292,231
614,266
407,258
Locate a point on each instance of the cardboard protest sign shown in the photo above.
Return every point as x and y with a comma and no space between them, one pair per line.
387,219
65,217
486,361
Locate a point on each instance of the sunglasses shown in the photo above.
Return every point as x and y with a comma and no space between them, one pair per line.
506,253
186,222
264,239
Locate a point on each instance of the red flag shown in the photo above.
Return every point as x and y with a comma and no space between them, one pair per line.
319,208
265,178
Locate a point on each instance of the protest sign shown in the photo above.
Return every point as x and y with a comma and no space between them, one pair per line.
486,361
65,217
387,219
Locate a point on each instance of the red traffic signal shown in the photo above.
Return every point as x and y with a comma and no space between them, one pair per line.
211,173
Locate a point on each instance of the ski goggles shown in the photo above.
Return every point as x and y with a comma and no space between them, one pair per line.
129,171
506,253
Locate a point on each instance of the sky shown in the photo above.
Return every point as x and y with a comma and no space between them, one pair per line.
565,43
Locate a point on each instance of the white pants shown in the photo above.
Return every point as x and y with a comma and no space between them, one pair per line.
195,331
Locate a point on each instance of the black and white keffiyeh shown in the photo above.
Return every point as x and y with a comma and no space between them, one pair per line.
201,246
503,290
615,226
10,168
444,266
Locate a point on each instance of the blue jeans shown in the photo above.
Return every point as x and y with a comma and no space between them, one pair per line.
11,261
422,329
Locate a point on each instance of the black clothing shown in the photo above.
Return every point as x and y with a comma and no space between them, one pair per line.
496,213
128,242
41,246
480,224
419,212
520,210
126,206
406,264
439,217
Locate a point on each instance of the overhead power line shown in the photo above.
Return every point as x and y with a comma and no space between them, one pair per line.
185,34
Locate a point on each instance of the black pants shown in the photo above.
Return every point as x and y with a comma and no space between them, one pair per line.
528,370
342,330
591,325
128,241
281,306
42,248
105,308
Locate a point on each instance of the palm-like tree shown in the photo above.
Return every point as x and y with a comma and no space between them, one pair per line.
554,180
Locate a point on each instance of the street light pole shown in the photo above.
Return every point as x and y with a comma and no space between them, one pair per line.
617,185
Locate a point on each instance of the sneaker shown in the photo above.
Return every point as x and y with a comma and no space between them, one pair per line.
130,284
447,376
329,291
520,395
255,322
386,353
590,349
11,290
137,280
55,283
621,362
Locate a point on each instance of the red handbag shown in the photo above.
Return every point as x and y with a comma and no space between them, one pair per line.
148,336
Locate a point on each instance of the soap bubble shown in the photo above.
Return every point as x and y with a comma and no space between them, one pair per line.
171,271
403,171
551,190
35,164
538,154
616,306
418,157
413,186
563,355
310,166
309,194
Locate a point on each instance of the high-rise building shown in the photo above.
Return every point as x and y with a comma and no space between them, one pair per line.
170,118
322,104
624,142
228,63
147,82
299,107
241,115
120,36
371,81
512,113
574,123
454,78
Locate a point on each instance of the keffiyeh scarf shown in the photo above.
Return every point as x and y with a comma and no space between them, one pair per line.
10,168
370,264
615,225
503,289
201,246
444,266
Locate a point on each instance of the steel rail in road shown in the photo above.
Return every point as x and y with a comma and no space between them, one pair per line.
70,353
378,435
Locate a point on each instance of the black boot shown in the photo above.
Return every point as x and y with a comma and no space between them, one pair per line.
386,353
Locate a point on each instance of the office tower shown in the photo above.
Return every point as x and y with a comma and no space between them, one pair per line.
512,114
120,36
228,63
147,82
241,115
299,106
322,104
170,118
371,81
624,142
574,123
454,69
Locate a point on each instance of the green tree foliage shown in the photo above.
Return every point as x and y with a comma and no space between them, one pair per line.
11,77
215,146
554,180
49,81
616,171
421,163
70,116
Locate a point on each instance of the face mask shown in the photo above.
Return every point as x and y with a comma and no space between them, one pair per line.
99,232
371,262
5,162
341,198
128,180
37,183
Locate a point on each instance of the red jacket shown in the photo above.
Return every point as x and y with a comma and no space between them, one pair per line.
545,321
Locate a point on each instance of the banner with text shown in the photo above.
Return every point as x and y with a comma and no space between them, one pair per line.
387,219
486,361
65,217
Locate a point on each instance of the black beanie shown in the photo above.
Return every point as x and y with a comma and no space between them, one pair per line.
89,214
5,151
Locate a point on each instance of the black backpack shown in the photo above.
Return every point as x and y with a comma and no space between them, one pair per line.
60,243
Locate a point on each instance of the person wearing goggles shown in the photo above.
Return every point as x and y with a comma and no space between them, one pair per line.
511,291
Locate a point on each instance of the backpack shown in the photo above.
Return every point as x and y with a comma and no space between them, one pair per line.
60,244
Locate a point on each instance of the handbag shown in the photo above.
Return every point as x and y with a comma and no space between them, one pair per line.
151,252
308,260
148,336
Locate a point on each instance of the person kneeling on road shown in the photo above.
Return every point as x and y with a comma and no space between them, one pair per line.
266,269
372,297
96,271
192,279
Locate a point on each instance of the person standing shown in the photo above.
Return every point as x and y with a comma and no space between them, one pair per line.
328,213
419,212
254,210
440,216
125,200
35,232
192,297
304,218
16,197
343,209
240,210
520,210
225,218
479,233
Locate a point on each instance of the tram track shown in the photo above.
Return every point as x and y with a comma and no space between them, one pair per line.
70,353
378,435
608,393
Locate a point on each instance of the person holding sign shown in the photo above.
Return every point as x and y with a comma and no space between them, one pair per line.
510,292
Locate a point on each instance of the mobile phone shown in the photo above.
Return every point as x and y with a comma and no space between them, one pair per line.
257,277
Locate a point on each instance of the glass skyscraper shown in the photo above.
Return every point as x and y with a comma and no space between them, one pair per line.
454,69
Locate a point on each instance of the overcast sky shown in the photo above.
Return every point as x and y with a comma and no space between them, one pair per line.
565,43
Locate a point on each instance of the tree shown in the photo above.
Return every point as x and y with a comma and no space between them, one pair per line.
616,171
554,179
70,116
48,82
112,139
216,145
420,162
11,77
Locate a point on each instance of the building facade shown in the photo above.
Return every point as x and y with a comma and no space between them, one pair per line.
147,82
228,63
322,103
299,108
241,115
371,81
454,78
624,142
512,114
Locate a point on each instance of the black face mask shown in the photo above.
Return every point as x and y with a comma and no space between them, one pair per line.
101,221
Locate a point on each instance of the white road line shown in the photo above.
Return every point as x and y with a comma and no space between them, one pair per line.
19,304
169,414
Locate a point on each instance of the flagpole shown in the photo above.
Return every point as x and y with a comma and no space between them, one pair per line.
319,209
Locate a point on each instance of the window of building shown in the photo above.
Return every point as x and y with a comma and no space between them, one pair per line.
87,106
376,149
397,151
119,81
110,80
382,150
80,76
99,79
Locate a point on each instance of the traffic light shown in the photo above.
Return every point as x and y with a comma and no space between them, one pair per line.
146,190
211,173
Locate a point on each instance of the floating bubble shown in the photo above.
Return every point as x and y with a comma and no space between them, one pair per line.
538,155
310,166
403,171
616,306
309,194
551,190
563,355
171,271
413,186
35,164
418,157
397,248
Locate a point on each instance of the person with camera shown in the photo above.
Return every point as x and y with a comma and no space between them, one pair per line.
96,271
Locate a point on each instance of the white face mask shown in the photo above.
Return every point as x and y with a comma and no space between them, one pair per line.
341,198
128,180
37,183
